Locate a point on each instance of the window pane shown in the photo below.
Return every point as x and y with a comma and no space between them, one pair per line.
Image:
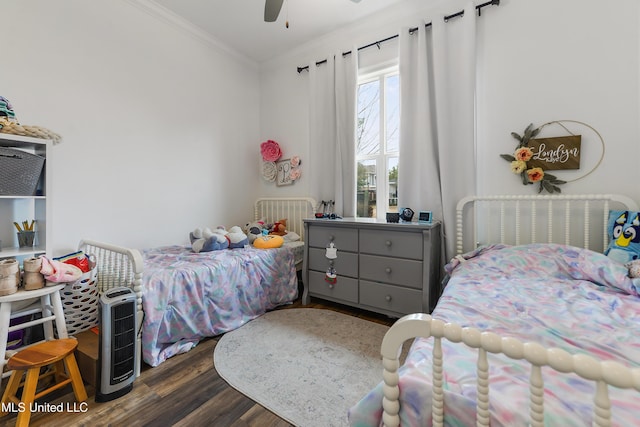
392,167
367,179
368,131
392,107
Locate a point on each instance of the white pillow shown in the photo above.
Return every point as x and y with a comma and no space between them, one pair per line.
291,236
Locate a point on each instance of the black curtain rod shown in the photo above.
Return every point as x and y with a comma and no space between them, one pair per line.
411,31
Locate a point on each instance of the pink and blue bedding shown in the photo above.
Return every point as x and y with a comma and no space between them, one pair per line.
188,296
559,296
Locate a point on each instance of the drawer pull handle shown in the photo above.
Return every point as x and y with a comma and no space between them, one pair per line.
330,285
388,270
331,238
330,262
388,297
388,243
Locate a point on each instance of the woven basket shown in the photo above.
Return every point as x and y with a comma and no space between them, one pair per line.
80,303
19,172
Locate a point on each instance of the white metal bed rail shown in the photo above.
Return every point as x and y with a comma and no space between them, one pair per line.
293,209
552,215
119,266
603,373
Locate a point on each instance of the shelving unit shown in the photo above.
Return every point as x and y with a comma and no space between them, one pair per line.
15,207
18,208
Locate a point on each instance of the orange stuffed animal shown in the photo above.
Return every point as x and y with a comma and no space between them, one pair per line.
279,228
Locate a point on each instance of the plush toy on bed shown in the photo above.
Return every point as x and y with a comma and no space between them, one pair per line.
254,229
268,241
634,268
624,236
237,239
205,240
279,228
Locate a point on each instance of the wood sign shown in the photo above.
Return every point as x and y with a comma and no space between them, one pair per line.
562,152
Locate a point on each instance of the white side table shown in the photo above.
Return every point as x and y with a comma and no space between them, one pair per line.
50,306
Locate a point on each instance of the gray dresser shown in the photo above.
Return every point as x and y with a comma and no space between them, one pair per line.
383,267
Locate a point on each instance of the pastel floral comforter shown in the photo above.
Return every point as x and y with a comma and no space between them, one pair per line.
559,296
188,296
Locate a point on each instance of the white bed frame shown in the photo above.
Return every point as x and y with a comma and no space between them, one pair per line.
294,209
119,266
513,220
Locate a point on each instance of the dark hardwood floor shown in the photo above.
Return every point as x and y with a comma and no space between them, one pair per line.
183,391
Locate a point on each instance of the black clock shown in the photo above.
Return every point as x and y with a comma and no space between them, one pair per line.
407,214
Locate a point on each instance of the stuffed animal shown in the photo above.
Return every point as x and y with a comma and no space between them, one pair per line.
254,229
237,239
205,240
634,268
624,235
268,241
279,228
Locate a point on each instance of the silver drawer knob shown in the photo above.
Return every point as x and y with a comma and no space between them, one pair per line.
388,270
388,243
388,297
331,238
331,286
330,262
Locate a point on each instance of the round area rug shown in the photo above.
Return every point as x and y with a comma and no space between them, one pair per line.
308,366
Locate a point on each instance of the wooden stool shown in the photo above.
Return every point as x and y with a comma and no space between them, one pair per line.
31,359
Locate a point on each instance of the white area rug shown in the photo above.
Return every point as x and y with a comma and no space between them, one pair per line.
309,366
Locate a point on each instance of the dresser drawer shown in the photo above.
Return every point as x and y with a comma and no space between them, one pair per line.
346,264
401,244
345,288
391,298
344,239
405,272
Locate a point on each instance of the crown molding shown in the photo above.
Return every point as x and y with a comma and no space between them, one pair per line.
163,14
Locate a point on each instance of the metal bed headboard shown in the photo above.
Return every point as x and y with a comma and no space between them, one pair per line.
294,209
579,220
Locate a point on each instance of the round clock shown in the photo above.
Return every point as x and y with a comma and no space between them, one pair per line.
407,214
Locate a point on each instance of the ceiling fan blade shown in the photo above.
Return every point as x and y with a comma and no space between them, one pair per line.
272,10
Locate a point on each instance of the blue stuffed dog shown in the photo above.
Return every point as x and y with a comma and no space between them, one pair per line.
624,235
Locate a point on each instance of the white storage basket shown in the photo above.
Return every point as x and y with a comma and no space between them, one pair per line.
80,301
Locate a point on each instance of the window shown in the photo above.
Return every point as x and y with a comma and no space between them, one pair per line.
378,148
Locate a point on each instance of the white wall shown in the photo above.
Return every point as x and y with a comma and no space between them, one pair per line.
157,126
161,131
539,61
548,60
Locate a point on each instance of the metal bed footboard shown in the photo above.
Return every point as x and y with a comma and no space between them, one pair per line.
117,267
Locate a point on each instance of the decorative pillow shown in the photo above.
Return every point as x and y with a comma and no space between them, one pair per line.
269,241
624,236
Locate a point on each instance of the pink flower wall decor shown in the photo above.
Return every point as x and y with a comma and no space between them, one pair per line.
270,151
295,174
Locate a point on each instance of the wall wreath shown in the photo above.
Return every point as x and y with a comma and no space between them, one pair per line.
534,157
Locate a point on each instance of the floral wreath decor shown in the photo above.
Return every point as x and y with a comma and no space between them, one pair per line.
271,152
522,155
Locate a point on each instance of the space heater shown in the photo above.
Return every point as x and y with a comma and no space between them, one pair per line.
117,345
